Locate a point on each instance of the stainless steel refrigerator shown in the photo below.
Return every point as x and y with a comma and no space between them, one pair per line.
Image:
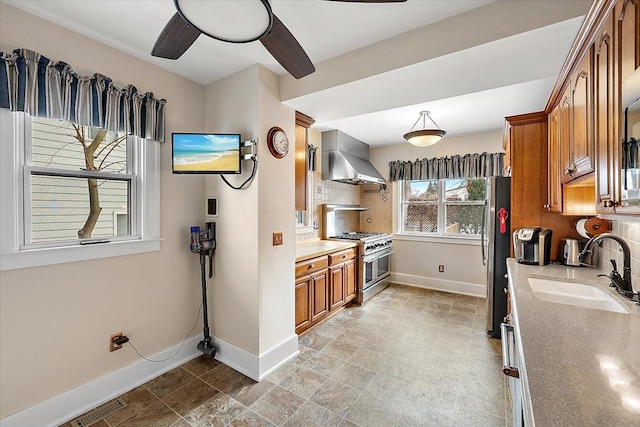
496,240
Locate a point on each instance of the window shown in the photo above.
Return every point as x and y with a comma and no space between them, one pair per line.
75,179
445,207
65,185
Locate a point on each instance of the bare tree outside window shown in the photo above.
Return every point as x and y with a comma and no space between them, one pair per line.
95,150
67,189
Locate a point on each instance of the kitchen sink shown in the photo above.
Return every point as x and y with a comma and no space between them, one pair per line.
577,294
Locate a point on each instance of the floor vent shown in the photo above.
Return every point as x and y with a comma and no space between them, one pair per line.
92,417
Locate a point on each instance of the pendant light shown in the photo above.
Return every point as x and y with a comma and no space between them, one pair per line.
424,137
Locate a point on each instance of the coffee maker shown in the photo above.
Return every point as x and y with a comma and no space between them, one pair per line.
532,245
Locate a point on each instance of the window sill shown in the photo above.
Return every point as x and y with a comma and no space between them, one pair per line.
49,256
447,240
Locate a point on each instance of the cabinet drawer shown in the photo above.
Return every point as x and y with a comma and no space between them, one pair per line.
311,265
341,256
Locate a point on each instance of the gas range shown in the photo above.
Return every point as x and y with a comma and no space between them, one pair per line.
369,241
374,249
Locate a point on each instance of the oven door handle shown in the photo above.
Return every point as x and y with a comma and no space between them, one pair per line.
374,256
507,367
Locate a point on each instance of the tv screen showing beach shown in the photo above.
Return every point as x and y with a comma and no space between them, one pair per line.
206,153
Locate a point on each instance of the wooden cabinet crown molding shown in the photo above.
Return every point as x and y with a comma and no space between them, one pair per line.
597,15
303,120
525,119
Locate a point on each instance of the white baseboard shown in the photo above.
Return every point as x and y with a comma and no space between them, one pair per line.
73,403
251,365
464,288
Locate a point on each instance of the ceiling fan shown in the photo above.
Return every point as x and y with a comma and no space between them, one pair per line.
236,22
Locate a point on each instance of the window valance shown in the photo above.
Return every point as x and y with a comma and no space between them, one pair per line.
43,87
465,166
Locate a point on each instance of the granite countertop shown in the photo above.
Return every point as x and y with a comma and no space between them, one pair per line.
314,248
579,366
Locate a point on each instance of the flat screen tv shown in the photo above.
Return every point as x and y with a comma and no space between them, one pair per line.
214,153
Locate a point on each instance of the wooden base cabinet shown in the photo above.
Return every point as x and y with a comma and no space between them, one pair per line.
323,284
303,304
342,277
312,292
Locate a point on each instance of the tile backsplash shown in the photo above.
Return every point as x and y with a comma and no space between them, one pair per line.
328,192
379,217
630,232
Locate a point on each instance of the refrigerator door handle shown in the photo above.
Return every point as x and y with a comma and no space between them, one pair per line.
483,233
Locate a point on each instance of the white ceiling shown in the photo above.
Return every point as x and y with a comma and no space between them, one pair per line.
470,63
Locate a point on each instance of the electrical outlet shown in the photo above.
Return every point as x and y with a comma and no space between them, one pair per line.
441,268
277,238
112,345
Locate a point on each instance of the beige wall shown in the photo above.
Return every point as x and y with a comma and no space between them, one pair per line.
275,213
232,106
252,297
55,321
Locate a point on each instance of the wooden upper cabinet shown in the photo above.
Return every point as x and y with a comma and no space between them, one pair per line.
302,124
581,142
555,161
627,18
606,119
564,135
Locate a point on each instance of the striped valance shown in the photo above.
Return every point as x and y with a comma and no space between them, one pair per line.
43,87
466,166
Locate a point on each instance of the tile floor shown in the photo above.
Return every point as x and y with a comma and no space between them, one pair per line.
408,357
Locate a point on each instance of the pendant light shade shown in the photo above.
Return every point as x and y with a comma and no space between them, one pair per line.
424,137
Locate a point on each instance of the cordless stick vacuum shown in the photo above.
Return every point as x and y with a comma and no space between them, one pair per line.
204,243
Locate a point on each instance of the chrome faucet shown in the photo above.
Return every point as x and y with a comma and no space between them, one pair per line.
622,283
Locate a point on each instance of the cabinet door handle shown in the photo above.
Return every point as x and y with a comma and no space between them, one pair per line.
311,266
507,368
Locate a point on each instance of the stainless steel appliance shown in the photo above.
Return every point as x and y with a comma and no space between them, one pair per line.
340,222
510,367
346,159
532,245
571,252
496,239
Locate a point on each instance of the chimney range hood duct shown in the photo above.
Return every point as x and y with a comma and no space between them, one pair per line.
346,159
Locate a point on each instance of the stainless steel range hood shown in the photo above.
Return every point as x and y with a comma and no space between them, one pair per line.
346,159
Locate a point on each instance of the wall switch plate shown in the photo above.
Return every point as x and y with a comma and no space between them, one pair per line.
211,207
441,268
277,238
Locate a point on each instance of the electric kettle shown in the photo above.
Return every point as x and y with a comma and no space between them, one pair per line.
572,248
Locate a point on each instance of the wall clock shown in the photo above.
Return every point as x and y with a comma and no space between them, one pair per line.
277,142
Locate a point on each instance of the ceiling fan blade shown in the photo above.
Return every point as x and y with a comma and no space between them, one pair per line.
284,47
176,37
